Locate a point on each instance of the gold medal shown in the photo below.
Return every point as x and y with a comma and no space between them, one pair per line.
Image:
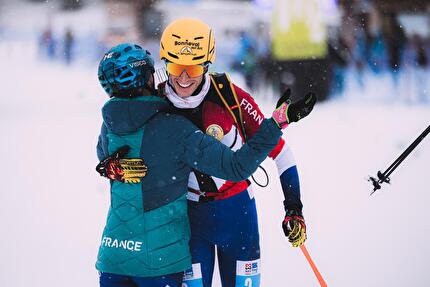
215,131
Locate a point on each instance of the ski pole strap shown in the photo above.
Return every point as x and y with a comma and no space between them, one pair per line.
313,266
267,178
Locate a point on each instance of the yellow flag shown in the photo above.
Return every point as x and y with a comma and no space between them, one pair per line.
298,30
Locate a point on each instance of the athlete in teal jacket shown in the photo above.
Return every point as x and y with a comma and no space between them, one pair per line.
147,229
145,240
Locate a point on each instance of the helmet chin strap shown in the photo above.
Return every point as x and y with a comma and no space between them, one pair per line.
200,86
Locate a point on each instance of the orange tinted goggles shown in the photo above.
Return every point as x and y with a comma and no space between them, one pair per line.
192,70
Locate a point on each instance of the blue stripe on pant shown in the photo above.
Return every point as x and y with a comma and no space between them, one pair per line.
230,227
115,280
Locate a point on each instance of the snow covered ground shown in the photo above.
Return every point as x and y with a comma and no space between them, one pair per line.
54,203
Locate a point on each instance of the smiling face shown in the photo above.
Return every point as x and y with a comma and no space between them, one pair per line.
184,85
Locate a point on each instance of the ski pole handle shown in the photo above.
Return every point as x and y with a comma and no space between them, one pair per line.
384,176
313,266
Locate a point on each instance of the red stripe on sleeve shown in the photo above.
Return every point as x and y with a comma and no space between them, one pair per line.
274,153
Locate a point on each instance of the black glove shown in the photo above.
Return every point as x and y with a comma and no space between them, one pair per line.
294,227
287,112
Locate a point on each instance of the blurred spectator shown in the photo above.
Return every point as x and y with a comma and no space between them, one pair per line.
421,64
376,52
359,55
246,59
395,39
262,42
358,50
249,67
47,43
68,46
338,55
376,46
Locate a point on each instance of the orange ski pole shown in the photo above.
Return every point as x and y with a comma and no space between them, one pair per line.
313,266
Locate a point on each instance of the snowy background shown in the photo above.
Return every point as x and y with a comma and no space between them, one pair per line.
53,203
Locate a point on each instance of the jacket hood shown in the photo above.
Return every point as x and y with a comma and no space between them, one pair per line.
124,116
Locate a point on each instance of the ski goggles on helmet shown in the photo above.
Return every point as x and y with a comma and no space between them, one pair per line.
191,70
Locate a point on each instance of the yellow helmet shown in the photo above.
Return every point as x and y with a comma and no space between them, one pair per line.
187,41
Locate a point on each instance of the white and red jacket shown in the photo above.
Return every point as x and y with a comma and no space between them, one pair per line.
212,117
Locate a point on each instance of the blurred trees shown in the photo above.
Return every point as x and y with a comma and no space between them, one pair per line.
71,4
387,6
66,4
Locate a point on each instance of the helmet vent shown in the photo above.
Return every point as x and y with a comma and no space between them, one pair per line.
127,49
138,47
131,59
126,75
198,38
176,36
173,55
198,57
109,66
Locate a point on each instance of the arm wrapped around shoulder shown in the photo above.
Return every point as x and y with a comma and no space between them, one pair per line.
116,167
208,155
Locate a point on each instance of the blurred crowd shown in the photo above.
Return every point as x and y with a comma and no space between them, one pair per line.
366,43
378,44
62,48
66,46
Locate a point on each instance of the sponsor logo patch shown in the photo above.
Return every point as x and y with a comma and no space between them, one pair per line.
195,272
108,55
188,48
186,51
137,64
248,268
195,45
189,274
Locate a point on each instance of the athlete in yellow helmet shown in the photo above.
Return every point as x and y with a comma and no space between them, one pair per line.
222,213
187,45
188,42
146,242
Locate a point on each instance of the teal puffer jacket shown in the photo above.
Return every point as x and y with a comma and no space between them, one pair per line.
147,229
